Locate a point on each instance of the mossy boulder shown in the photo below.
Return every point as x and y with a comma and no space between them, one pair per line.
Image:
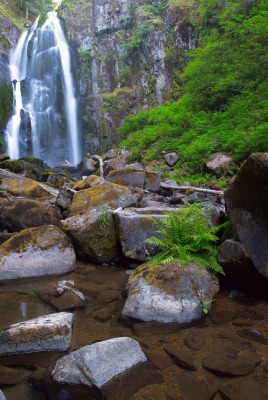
23,187
38,251
93,235
28,213
169,293
32,167
128,176
106,193
88,182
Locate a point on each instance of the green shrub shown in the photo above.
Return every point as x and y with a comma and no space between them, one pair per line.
187,237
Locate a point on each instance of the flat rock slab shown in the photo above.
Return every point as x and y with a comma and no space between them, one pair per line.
24,187
36,252
194,389
246,389
51,332
235,357
180,357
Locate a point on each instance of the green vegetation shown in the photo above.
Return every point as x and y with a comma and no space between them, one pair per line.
223,91
35,7
187,237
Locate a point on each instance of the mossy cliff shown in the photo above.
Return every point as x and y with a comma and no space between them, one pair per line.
127,52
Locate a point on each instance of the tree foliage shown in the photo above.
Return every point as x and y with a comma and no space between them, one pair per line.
224,102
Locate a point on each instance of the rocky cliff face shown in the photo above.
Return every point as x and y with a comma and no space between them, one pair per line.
127,53
9,35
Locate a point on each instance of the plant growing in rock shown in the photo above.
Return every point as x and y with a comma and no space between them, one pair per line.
187,237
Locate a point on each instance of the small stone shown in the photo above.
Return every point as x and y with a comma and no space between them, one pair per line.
196,339
109,296
181,357
171,158
221,317
160,361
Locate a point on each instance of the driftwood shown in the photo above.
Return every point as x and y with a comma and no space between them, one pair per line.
99,159
202,190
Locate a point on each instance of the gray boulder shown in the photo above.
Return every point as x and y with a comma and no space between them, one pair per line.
128,176
135,226
246,203
46,333
169,293
232,254
36,252
220,164
93,235
98,363
171,158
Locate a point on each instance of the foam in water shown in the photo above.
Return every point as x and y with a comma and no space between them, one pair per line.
44,123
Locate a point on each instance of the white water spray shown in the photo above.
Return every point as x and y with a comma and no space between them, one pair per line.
44,123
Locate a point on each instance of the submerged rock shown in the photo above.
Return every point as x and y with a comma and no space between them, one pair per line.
46,333
169,293
36,252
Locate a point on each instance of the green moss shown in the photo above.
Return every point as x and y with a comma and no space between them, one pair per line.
5,103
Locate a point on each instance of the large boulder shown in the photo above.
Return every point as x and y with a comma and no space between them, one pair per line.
135,226
93,235
107,370
128,176
246,202
24,187
28,213
38,251
46,333
169,293
106,193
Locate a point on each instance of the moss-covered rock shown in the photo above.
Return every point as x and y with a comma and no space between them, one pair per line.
170,293
128,176
93,235
106,193
28,213
24,187
31,166
87,183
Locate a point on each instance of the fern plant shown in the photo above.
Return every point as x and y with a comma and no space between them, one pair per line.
187,237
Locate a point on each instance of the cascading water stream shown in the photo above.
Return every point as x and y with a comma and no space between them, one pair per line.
45,122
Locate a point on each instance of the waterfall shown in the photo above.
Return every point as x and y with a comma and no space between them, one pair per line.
44,123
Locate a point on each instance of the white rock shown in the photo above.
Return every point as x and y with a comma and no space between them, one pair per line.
2,396
51,332
98,363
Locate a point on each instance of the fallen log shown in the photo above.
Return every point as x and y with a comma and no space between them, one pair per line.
184,188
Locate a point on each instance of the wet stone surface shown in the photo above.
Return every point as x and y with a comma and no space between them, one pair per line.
221,348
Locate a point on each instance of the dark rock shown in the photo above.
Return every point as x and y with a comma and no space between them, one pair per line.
115,164
254,335
143,329
64,198
13,376
232,254
194,389
247,209
195,339
160,361
221,317
4,157
234,357
152,181
180,357
112,153
28,213
109,296
246,389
